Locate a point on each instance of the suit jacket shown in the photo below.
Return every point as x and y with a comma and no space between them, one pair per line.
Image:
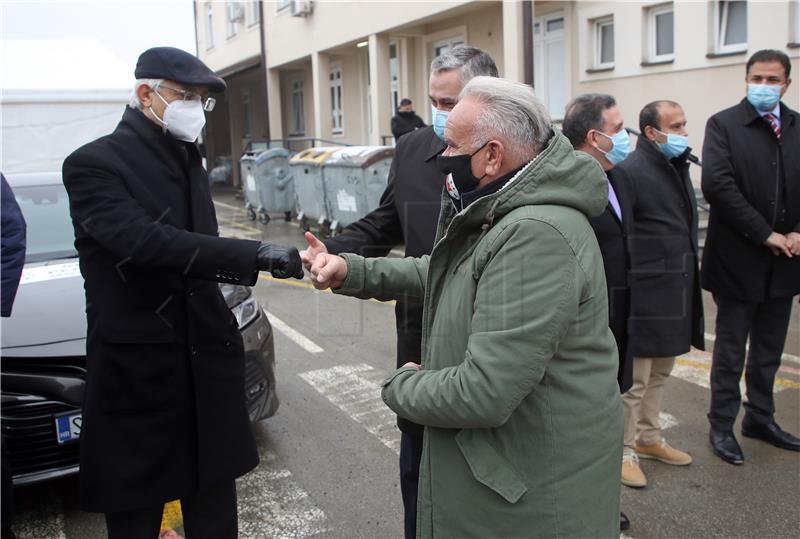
751,179
407,214
12,250
612,236
667,308
164,412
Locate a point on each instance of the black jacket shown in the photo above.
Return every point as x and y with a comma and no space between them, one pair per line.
667,308
405,122
164,412
12,249
752,182
612,236
408,213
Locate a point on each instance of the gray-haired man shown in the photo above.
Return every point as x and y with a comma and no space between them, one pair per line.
408,213
517,384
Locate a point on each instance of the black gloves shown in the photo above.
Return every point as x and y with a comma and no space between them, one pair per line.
281,261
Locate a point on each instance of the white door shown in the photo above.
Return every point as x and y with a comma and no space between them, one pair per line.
441,47
550,62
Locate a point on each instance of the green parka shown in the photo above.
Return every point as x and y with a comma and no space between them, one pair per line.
518,391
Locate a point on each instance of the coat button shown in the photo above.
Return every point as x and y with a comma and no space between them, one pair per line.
227,343
685,274
194,351
190,292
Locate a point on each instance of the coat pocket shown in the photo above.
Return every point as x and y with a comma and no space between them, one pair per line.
489,467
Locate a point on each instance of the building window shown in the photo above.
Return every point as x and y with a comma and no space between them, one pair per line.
550,63
604,42
731,26
661,30
441,47
235,14
246,114
209,26
394,75
298,127
337,113
254,16
795,10
282,4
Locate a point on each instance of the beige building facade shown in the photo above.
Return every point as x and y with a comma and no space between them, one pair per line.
335,70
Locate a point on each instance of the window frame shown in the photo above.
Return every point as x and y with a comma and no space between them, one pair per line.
280,5
209,25
253,13
230,23
336,113
721,14
597,27
297,87
652,30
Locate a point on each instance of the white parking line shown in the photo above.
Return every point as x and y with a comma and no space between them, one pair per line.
228,206
271,504
667,421
301,340
355,389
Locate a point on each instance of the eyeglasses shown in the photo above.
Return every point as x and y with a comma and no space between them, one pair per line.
208,102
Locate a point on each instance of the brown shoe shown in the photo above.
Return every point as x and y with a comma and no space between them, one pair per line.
665,453
632,475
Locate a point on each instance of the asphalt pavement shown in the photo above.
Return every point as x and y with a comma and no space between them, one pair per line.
329,456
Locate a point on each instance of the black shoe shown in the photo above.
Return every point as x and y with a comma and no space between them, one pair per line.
624,522
725,446
770,433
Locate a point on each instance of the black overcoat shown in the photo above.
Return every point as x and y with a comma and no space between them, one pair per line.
752,183
164,411
408,213
612,237
667,308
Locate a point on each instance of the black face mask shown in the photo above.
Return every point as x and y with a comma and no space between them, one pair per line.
459,173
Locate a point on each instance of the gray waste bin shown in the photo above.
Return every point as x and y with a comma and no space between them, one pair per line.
355,179
306,168
274,184
247,173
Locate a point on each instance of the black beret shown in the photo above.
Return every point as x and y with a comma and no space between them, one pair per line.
178,65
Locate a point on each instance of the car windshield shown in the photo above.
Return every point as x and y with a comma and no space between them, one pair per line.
46,211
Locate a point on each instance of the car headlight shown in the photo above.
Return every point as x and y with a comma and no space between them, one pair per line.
246,311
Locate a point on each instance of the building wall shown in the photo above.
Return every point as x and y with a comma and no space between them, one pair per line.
225,51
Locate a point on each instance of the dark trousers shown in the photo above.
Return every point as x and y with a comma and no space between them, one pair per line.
208,515
766,323
410,457
7,493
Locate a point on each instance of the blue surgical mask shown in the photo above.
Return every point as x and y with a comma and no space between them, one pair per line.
439,120
621,148
675,145
764,97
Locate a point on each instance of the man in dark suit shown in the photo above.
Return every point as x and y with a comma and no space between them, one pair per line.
406,120
593,124
164,415
751,261
12,252
667,309
408,213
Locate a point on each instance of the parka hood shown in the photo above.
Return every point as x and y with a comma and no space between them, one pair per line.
559,175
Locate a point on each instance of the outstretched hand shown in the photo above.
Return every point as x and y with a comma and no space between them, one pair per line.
328,271
315,248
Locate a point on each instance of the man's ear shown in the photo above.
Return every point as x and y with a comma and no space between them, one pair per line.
144,93
494,158
650,133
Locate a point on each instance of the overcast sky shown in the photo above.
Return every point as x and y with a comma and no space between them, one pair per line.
126,27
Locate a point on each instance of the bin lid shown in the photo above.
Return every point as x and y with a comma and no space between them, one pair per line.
273,153
359,156
313,156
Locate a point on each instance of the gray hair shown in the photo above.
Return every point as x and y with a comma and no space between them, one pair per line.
152,83
512,112
472,62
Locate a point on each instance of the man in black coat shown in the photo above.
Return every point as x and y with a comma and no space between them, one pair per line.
409,213
12,253
667,309
164,414
751,261
593,124
406,120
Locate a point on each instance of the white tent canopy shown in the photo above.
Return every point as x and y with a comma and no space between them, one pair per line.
56,95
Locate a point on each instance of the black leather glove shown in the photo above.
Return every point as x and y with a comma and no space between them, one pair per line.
281,261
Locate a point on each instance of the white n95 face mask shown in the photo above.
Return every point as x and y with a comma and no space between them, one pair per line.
184,119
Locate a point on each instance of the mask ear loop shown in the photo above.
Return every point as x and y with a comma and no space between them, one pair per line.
162,122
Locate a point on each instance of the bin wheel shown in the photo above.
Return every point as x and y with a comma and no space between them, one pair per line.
335,231
304,224
287,216
263,218
325,230
251,214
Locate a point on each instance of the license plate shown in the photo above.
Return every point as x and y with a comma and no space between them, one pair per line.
68,427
